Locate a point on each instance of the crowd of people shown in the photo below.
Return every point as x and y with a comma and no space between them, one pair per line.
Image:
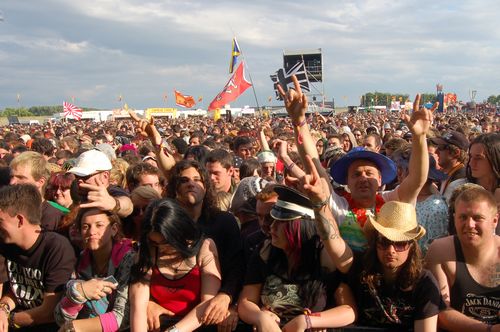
310,222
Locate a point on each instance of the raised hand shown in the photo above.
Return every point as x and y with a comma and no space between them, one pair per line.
421,119
314,186
295,101
98,196
146,128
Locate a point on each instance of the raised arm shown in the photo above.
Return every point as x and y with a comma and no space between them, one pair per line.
296,106
419,124
148,129
317,189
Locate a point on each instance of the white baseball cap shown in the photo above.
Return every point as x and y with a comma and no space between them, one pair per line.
91,162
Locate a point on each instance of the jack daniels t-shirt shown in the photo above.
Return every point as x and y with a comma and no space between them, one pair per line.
44,268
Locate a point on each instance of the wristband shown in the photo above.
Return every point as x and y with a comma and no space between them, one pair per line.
11,321
173,329
308,322
289,167
117,206
68,326
300,124
321,204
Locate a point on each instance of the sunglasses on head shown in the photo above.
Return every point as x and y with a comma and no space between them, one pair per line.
384,243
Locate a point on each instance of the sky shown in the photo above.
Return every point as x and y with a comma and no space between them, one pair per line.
93,51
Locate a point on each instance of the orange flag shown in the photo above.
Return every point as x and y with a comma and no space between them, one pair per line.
184,100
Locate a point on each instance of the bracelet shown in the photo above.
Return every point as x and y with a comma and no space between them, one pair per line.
68,326
83,291
117,206
159,146
321,204
289,167
5,308
489,328
301,124
308,322
11,321
173,329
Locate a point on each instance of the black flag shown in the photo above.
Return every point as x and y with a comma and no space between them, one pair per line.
285,80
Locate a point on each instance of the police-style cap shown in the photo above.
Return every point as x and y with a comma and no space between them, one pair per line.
291,205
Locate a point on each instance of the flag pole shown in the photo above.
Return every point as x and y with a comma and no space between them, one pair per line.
249,75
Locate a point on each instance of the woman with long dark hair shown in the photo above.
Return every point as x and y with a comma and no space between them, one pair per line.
483,166
177,268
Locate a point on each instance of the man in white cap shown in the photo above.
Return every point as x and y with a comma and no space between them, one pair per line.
267,161
92,171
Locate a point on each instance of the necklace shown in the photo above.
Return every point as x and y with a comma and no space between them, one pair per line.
360,212
176,268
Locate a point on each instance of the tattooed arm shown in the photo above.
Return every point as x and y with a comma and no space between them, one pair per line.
317,190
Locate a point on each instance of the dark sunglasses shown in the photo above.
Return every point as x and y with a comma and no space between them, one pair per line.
384,243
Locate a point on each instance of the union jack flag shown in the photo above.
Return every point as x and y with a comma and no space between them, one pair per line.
285,78
72,111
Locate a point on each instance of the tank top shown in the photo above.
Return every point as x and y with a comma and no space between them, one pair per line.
469,297
179,295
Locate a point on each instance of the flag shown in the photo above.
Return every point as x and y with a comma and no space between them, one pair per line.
285,79
18,98
120,97
236,85
217,114
184,101
200,99
235,52
72,111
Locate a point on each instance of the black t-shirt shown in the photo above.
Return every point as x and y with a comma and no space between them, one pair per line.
223,229
382,305
51,217
286,295
45,267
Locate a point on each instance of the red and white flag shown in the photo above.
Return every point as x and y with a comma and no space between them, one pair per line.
234,88
72,111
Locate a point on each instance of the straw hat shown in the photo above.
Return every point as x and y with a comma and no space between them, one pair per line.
397,222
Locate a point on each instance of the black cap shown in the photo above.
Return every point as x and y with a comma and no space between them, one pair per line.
291,205
454,138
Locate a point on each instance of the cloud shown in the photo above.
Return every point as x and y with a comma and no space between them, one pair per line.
97,49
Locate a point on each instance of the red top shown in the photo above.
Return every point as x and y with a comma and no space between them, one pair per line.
179,295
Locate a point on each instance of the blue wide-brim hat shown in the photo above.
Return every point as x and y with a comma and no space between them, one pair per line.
385,165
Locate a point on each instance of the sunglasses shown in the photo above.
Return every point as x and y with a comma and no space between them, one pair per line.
384,243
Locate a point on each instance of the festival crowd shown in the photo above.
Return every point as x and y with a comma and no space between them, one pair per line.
381,221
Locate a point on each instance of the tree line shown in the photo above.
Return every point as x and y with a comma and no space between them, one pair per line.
35,111
495,100
385,98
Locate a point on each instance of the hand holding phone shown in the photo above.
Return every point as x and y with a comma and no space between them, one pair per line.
112,280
